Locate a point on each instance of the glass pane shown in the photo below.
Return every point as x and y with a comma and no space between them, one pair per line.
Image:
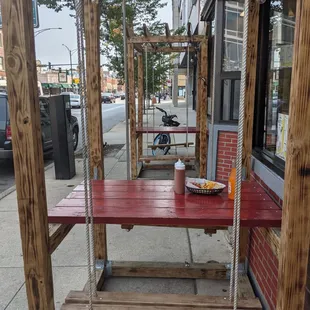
236,99
233,34
3,115
227,85
281,42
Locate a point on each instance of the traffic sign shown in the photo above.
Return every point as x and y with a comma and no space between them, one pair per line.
35,14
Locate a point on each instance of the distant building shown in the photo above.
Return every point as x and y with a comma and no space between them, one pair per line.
110,84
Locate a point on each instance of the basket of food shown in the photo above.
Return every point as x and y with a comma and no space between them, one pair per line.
204,187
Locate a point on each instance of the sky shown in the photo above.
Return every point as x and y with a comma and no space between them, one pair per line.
49,46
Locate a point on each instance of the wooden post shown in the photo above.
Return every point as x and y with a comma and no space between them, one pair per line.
203,108
249,100
250,83
132,111
27,151
140,103
93,80
198,103
295,230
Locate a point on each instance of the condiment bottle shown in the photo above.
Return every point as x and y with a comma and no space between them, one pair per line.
232,181
179,177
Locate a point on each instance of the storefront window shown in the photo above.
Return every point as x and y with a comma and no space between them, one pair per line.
280,57
233,35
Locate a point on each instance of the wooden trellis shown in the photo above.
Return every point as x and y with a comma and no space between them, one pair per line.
155,45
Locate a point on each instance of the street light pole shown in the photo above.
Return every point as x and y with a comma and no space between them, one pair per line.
45,29
71,52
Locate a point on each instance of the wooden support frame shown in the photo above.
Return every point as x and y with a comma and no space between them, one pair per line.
147,34
162,39
92,39
167,31
58,233
295,232
132,110
27,145
172,49
140,102
203,147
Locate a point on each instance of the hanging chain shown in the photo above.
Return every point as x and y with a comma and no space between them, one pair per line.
79,5
146,99
236,223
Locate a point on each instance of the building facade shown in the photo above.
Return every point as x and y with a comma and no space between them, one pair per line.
2,65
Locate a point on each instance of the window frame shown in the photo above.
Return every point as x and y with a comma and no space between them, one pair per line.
2,64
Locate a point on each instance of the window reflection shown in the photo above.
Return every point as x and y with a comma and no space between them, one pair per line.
281,41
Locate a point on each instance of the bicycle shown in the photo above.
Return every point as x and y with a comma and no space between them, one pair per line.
164,138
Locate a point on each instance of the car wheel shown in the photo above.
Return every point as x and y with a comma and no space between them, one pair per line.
75,138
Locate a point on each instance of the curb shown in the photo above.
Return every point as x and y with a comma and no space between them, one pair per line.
13,188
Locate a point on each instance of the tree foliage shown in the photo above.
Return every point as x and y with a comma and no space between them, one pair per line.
138,12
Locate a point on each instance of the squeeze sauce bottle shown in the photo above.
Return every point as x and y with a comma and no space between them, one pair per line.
232,181
179,177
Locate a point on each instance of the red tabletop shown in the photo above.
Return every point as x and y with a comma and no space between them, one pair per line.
153,202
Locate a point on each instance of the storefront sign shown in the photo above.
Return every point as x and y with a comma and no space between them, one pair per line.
282,136
62,77
35,14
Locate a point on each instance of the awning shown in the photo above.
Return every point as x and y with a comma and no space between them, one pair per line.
66,86
45,85
54,85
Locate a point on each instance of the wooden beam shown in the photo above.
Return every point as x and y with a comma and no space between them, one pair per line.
57,233
152,146
167,31
140,103
99,281
198,103
250,83
160,301
295,230
163,39
132,111
203,108
272,236
169,270
92,39
166,157
19,51
147,34
172,49
130,33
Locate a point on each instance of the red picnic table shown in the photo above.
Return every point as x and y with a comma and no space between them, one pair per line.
154,203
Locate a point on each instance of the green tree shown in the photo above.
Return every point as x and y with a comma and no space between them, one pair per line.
138,12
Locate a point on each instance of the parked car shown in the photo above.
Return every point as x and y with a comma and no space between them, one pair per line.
75,99
122,96
46,130
107,98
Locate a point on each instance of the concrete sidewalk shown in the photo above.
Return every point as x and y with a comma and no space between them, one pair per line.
140,244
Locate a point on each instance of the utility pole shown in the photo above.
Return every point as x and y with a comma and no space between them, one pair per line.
71,52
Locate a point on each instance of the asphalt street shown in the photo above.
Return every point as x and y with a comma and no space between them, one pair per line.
112,114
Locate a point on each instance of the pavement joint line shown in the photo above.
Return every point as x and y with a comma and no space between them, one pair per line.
14,296
191,258
11,189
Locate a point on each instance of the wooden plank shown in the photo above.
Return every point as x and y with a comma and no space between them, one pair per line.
147,34
203,109
22,88
245,290
136,307
93,83
57,233
152,146
168,300
198,103
163,39
172,49
169,270
166,157
273,238
250,83
183,217
140,102
132,111
167,32
167,130
295,230
99,281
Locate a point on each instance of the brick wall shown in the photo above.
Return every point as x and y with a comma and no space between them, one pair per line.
226,152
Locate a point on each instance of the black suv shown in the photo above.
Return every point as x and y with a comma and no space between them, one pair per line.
5,127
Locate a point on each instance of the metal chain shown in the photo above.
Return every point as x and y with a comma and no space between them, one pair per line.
146,100
236,222
85,148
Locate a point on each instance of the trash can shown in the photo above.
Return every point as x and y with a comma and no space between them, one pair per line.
62,136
